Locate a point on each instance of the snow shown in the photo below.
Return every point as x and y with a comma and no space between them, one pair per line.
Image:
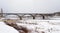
11,17
7,29
55,18
35,26
42,25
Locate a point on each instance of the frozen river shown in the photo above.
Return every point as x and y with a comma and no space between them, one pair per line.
47,26
36,26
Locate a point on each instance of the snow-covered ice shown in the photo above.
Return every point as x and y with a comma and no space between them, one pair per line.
45,26
36,26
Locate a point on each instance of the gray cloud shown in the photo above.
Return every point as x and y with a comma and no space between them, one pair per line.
37,6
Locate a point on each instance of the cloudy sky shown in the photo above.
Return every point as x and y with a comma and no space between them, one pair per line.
30,6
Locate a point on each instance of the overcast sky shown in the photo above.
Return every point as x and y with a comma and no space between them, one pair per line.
30,6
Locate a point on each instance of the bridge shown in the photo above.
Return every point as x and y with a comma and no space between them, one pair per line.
20,15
